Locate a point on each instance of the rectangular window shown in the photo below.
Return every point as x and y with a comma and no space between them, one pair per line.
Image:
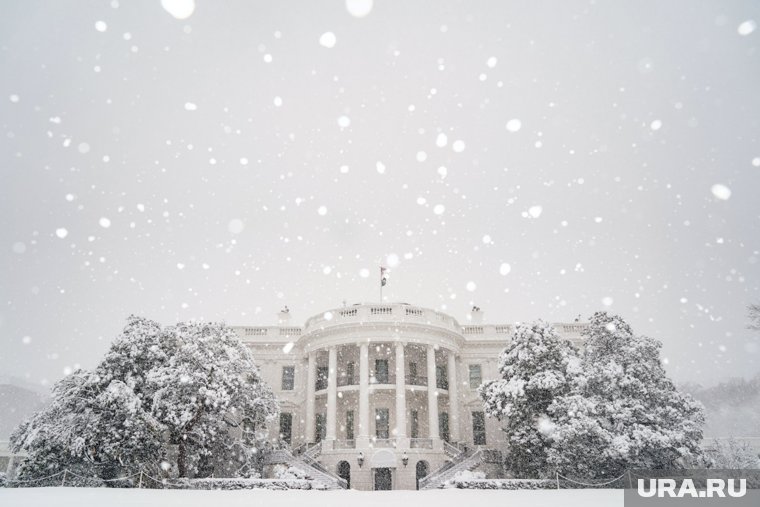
349,425
381,371
478,428
350,374
382,423
288,378
443,425
286,427
441,377
413,373
415,424
322,372
476,376
320,427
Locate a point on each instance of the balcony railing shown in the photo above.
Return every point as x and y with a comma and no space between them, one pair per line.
344,444
382,379
380,313
348,381
384,442
421,443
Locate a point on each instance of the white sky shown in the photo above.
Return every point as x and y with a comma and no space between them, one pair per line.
241,165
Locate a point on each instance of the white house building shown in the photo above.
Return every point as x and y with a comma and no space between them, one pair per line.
385,395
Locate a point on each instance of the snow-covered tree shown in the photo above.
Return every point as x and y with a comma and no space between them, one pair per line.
92,428
753,311
622,411
534,372
187,395
732,454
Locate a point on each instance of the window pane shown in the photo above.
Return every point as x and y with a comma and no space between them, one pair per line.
382,422
479,428
349,425
476,377
288,378
322,372
321,427
441,377
286,426
381,371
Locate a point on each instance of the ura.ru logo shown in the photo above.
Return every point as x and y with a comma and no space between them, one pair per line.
713,488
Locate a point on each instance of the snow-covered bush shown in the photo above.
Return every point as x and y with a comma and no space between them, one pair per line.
534,372
3,479
185,398
465,482
229,484
289,472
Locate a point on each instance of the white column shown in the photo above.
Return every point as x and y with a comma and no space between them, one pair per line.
311,378
432,398
363,436
332,392
453,398
400,392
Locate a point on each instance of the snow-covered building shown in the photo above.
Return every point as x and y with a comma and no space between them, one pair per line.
385,395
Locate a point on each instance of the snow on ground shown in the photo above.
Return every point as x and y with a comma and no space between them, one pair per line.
85,497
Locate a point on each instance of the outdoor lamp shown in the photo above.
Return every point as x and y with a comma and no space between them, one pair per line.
360,459
405,459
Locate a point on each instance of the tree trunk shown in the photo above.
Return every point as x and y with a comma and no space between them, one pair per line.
181,457
181,449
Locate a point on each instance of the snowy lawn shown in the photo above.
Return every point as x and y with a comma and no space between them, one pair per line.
85,497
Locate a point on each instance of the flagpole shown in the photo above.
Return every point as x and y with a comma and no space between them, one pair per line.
381,285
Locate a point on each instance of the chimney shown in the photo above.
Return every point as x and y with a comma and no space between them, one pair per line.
283,318
476,315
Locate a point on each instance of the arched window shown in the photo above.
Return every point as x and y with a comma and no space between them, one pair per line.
422,471
344,472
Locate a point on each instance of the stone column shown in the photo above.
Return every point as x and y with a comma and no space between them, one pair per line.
402,441
432,397
362,439
332,393
311,378
453,398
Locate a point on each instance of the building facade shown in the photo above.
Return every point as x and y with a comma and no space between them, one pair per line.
384,395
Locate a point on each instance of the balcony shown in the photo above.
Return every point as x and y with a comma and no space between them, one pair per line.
416,380
421,443
346,381
381,379
397,313
383,442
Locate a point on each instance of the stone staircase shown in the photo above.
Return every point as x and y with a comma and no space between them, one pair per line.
466,460
307,462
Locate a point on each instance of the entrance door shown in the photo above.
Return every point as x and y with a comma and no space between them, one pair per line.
344,472
421,472
383,480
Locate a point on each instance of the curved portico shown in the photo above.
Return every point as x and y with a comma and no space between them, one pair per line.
393,364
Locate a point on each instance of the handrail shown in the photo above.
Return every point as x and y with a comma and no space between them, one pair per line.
451,449
452,467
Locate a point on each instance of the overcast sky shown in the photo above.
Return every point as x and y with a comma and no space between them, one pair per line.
540,160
